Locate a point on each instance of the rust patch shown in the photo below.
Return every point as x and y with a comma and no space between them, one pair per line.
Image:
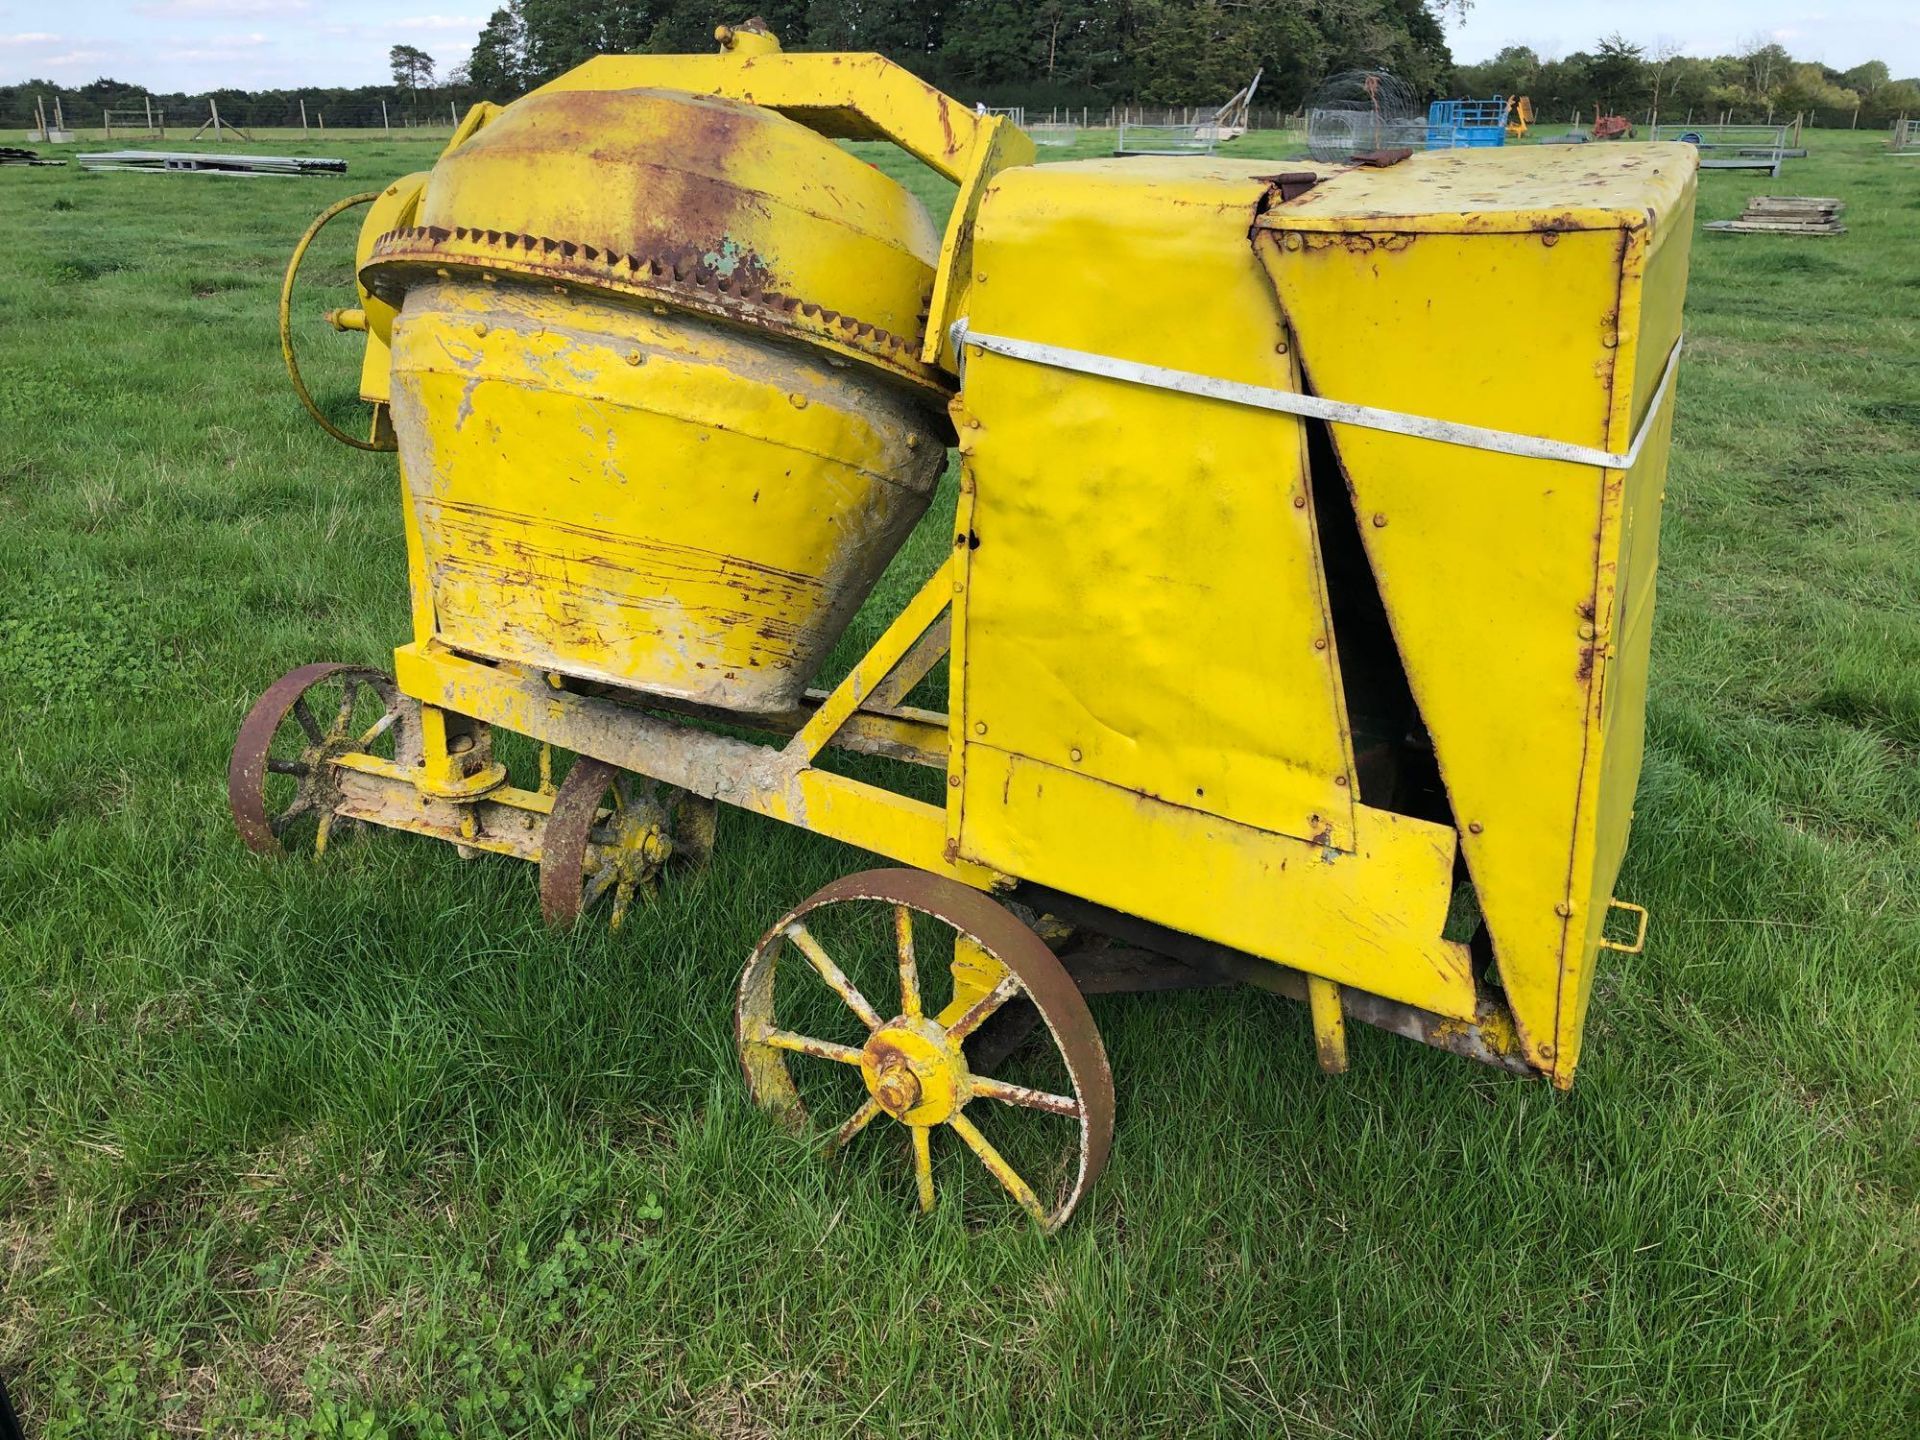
683,274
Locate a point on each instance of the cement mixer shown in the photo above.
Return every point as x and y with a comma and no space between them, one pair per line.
1287,635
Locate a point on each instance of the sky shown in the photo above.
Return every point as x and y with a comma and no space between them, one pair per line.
195,45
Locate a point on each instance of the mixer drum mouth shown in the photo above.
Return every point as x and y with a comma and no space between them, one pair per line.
637,455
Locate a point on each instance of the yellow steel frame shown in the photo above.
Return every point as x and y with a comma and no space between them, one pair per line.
781,782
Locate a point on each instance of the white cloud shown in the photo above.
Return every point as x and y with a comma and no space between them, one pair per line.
436,22
30,37
222,9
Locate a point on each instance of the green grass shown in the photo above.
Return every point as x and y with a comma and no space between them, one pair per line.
357,1148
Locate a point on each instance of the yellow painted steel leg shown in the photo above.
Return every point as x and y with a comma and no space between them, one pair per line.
909,968
923,1165
1329,1024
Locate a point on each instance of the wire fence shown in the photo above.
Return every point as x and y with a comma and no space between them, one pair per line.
313,117
359,117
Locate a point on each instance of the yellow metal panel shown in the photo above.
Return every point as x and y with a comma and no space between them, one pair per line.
1372,919
1654,271
395,206
1145,598
644,499
1513,189
1500,304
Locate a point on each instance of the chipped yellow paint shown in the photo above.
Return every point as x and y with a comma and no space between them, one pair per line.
1146,602
1371,919
1502,576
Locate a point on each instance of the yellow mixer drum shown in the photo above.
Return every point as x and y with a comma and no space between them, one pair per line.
657,391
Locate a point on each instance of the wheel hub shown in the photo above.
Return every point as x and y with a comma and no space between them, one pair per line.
914,1072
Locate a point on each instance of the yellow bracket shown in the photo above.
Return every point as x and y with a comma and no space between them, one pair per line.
865,680
1329,1024
850,97
1640,935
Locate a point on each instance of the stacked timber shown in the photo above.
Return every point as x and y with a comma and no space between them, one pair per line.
1787,215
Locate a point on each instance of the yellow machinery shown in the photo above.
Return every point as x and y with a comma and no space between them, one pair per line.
1519,116
1289,634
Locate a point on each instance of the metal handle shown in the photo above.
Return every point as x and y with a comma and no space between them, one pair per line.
286,322
1640,935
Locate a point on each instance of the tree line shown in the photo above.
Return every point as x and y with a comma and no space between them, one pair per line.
1763,82
1038,53
1064,53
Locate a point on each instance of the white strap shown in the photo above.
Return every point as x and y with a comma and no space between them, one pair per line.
1260,397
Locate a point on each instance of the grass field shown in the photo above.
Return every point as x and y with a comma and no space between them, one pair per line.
358,1148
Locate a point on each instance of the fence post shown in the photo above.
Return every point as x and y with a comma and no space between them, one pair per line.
384,123
213,106
106,121
149,112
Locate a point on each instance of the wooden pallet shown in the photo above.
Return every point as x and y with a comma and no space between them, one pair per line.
1786,215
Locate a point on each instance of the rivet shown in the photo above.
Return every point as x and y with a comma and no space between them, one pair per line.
1074,755
444,274
799,400
954,781
980,278
959,587
1299,502
1379,521
913,442
1340,780
479,327
973,422
1281,348
634,357
980,728
489,277
1320,643
1586,632
1474,826
1563,909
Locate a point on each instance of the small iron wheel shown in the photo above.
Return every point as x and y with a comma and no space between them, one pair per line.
915,1066
613,832
280,782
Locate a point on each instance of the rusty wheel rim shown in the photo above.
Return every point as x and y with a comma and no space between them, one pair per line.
281,770
612,833
913,1065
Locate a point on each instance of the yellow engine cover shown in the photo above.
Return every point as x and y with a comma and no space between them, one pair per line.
1156,693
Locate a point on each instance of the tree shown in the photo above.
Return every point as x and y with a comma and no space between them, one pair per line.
412,67
498,65
1615,71
1867,78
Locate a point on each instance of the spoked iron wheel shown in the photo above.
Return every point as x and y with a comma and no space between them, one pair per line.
280,781
1045,1135
611,834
